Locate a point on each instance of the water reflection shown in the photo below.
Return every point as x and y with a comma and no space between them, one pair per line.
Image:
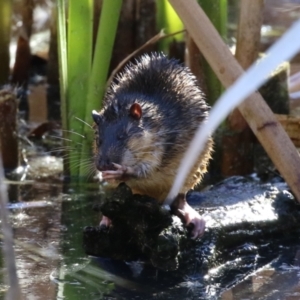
36,213
48,221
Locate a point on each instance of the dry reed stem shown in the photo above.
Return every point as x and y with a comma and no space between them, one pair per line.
247,46
248,34
257,113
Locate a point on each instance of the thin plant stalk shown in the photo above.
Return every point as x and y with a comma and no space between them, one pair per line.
14,291
106,34
62,59
63,72
258,115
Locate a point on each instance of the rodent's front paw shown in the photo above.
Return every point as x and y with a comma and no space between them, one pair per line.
121,172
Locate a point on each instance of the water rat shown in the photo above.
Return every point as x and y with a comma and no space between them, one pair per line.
149,116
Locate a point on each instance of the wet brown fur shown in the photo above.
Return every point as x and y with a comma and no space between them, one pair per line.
159,183
155,167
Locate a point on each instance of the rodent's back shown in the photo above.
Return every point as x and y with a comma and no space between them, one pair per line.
172,106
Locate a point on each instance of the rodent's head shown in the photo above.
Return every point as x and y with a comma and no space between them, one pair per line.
121,138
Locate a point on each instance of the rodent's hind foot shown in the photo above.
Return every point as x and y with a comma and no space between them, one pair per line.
120,173
194,222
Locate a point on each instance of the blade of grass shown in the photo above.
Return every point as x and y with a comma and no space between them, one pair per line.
216,10
102,55
63,70
62,59
167,20
79,48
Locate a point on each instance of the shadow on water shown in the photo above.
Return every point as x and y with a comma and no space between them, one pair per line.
48,221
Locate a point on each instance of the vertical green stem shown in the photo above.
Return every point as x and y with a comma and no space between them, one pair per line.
216,10
102,55
103,51
62,59
79,48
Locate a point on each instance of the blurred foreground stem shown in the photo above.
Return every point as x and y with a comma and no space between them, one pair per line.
5,25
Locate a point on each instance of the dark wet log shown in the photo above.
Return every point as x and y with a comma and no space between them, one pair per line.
8,128
27,15
124,42
53,95
237,211
20,73
145,23
194,60
275,91
136,26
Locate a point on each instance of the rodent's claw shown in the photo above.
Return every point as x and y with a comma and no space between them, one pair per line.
120,173
124,169
112,174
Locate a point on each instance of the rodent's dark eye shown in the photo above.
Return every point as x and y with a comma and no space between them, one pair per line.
135,111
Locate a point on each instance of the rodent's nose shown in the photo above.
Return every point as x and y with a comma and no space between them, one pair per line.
104,165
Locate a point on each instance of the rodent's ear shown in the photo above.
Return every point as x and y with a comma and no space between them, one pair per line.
135,111
96,117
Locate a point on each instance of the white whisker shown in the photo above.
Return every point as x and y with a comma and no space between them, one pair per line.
87,124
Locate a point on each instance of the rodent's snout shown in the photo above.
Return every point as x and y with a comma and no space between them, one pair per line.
105,165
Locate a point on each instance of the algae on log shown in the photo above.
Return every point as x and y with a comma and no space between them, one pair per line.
239,210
